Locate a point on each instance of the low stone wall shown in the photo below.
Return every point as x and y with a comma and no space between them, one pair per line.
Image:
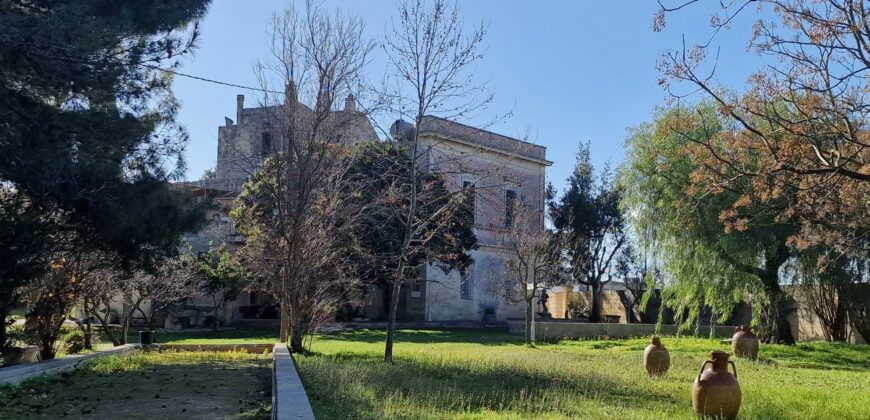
15,374
289,400
548,330
516,325
250,348
417,325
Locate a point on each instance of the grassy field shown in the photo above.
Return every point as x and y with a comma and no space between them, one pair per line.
483,375
207,385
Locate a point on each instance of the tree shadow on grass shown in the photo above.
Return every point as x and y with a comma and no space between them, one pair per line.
356,385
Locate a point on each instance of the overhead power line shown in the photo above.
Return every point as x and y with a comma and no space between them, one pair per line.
205,79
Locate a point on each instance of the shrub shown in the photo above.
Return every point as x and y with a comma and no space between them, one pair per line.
577,308
74,341
16,336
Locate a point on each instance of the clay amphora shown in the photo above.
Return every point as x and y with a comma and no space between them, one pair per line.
656,359
744,343
715,392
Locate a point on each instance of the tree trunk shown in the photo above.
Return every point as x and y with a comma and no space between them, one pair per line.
104,322
217,306
838,327
285,323
595,311
46,349
530,316
779,328
3,314
297,339
125,329
89,336
391,324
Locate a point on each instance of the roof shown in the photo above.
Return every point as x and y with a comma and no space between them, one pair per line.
463,132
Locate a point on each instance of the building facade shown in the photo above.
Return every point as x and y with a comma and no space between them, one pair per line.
503,171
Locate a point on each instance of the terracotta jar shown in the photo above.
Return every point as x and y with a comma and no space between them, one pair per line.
744,343
656,359
715,392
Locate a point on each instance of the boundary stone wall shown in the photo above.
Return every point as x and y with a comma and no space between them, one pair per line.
548,330
16,374
289,400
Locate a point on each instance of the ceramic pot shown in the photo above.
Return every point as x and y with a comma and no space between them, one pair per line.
716,392
744,343
656,359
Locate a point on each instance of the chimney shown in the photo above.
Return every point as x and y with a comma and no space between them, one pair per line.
240,107
350,103
290,96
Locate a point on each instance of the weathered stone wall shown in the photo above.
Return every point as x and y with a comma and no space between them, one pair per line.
806,326
494,164
548,330
262,131
444,298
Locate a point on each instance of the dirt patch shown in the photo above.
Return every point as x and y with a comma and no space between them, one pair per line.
190,385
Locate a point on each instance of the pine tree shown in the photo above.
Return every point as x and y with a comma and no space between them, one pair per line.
88,140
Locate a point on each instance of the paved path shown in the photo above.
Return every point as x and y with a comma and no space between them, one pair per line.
18,373
288,395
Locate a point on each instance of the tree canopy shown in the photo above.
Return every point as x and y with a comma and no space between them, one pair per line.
88,139
380,177
712,254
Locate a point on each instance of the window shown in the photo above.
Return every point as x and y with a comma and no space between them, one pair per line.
510,197
465,286
468,187
417,287
265,144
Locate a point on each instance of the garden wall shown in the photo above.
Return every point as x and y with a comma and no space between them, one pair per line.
545,330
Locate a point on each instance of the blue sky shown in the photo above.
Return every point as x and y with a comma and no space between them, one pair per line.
570,71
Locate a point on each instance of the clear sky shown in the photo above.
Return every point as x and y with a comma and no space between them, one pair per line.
570,71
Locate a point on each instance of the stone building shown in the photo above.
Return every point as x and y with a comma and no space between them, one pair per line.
261,131
502,170
243,144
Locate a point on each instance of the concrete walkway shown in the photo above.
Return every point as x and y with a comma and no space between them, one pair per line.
15,374
289,400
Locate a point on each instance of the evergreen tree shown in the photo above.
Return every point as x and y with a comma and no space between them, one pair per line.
87,133
589,216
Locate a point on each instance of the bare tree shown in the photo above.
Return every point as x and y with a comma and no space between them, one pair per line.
826,286
290,207
432,56
169,281
533,263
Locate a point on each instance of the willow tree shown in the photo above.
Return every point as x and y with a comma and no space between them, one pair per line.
718,244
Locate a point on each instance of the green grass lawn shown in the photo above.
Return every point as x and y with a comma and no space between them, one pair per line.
207,385
480,374
241,336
